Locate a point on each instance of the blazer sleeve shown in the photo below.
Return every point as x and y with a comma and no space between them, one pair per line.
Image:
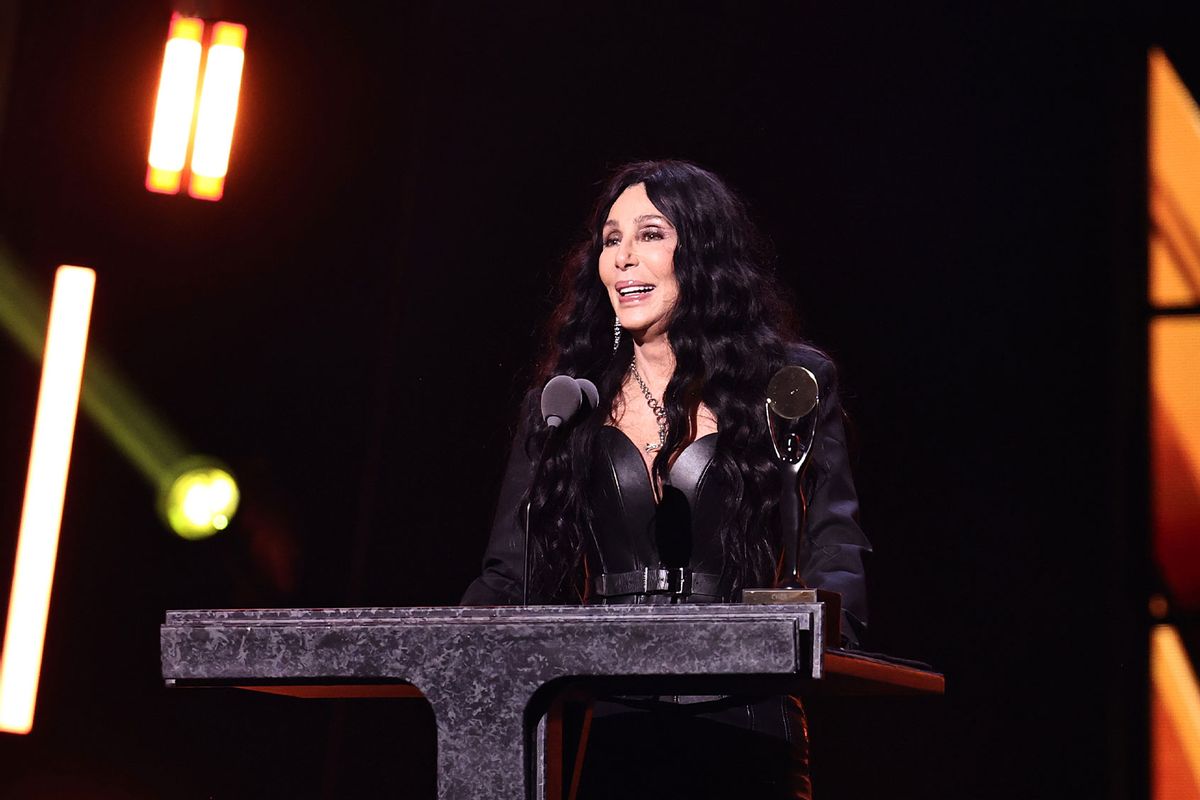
503,574
834,545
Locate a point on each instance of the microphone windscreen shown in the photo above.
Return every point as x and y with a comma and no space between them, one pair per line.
589,391
560,400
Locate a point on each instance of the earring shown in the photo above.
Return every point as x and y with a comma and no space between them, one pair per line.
616,333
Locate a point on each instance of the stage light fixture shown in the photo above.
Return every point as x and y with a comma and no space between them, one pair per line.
135,428
196,108
175,105
45,489
218,111
200,499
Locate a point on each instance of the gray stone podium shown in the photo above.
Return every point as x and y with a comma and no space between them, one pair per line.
491,674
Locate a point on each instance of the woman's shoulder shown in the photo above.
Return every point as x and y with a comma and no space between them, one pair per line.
817,361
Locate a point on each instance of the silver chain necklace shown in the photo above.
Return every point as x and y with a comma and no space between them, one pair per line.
660,413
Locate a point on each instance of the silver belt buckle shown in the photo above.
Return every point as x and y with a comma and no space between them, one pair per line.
679,581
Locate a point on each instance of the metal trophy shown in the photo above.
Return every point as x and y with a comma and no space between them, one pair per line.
792,407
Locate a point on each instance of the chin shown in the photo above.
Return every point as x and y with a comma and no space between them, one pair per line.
641,327
637,324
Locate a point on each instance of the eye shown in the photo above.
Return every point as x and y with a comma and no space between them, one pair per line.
651,235
612,241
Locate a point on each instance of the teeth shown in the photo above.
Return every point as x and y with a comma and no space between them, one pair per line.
630,290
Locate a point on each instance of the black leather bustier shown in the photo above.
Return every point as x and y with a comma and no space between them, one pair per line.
641,551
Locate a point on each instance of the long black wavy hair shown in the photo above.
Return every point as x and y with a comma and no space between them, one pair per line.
729,330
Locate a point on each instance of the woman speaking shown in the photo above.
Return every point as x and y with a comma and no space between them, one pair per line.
671,308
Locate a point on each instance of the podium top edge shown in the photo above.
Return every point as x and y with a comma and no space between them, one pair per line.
488,613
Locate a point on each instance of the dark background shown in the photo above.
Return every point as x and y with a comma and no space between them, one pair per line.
956,195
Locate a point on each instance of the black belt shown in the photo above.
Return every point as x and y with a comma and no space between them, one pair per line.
679,581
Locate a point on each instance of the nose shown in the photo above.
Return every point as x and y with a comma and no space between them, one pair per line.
626,258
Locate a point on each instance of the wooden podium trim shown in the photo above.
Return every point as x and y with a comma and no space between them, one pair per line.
846,673
339,690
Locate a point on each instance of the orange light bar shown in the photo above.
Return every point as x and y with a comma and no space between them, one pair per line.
218,110
45,488
175,104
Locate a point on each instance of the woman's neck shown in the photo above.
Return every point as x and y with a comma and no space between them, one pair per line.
655,361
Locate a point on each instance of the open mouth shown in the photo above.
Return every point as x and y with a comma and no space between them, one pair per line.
634,289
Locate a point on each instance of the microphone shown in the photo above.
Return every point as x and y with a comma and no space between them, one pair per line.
562,397
793,399
590,393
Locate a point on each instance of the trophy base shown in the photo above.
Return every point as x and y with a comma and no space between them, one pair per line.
832,601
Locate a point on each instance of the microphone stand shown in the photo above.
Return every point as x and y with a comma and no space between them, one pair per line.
562,398
525,557
552,427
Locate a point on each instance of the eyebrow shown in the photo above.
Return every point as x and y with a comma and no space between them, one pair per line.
638,220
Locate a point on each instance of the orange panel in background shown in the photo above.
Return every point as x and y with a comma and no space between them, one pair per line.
1175,453
1174,281
1175,719
1169,284
1174,141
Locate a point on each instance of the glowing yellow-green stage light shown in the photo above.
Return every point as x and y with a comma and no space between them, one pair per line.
200,501
198,484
